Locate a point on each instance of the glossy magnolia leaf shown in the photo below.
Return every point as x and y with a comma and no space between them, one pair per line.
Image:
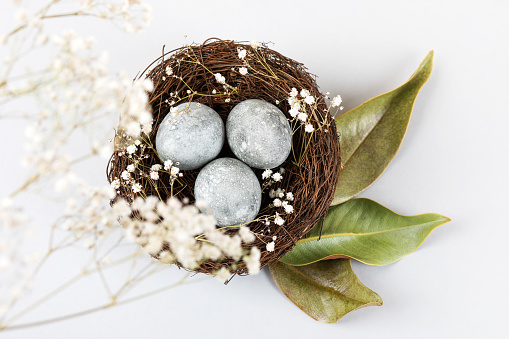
371,134
364,230
325,290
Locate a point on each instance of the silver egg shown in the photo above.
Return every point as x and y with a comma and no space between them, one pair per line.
231,190
259,134
192,135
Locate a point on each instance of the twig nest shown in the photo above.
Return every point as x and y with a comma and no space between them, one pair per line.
231,190
259,134
191,134
221,74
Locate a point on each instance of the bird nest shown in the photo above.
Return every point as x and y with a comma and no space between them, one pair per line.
311,170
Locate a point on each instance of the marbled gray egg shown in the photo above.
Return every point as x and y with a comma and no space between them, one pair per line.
192,136
259,134
231,189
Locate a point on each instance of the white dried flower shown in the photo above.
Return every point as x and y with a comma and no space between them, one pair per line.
168,164
254,44
246,235
277,177
336,101
294,92
288,208
156,167
174,171
125,175
154,175
131,149
304,93
252,261
169,70
130,168
242,53
277,202
219,78
289,196
223,274
294,112
243,70
309,100
278,220
309,128
137,188
270,246
115,184
266,174
302,117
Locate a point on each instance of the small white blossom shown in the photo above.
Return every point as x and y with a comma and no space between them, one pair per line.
277,177
156,167
242,53
169,70
266,174
289,196
277,202
223,274
219,78
243,70
293,92
214,91
227,100
309,128
130,168
131,149
168,164
115,184
254,44
336,101
270,246
252,261
288,208
175,171
246,235
304,93
272,193
302,117
309,100
294,112
278,220
154,175
146,128
137,188
293,101
125,175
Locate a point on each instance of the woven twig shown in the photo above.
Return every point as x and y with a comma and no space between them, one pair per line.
312,181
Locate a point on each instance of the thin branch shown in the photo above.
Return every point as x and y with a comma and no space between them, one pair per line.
95,309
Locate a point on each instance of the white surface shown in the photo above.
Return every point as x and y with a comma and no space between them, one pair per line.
454,161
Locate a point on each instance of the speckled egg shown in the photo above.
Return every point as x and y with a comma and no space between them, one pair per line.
259,134
192,134
231,190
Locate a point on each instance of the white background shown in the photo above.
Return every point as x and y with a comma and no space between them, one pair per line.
453,161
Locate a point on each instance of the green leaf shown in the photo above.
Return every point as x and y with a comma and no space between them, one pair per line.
325,290
371,134
364,230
